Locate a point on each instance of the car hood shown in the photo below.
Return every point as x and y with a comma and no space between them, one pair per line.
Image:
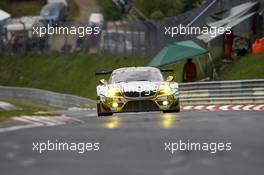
138,86
135,86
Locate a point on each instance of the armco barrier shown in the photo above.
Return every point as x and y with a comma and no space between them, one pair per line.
198,93
46,97
223,92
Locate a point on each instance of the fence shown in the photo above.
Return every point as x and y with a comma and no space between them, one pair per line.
223,92
199,93
45,97
132,37
155,39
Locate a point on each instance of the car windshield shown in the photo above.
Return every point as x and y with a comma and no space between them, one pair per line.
138,75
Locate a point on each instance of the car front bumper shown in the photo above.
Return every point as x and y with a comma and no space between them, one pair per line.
123,104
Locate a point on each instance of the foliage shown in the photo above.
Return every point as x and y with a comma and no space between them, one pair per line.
155,9
157,15
109,10
166,7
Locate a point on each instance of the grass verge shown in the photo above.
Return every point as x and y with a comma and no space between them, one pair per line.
71,74
26,8
248,67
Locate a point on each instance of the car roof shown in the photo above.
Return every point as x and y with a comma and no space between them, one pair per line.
130,69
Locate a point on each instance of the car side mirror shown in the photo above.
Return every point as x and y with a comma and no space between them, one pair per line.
170,78
102,82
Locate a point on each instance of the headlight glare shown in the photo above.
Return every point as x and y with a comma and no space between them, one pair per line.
113,92
165,90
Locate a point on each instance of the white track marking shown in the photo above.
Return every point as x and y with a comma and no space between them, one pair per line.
200,107
211,108
258,107
225,107
33,119
46,121
237,107
38,121
51,120
248,107
21,119
187,108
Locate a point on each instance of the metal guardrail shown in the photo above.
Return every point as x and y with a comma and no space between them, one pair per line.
222,92
198,93
45,97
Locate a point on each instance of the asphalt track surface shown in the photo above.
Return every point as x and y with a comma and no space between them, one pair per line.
133,144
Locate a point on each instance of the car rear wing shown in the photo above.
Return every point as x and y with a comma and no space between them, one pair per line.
103,72
107,72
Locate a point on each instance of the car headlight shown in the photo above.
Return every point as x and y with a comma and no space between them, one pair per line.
114,92
165,90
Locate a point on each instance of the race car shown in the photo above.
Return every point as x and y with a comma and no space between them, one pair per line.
136,89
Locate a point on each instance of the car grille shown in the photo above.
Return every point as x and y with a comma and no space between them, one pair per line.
140,106
147,93
132,94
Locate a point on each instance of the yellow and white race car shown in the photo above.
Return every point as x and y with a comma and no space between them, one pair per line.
137,89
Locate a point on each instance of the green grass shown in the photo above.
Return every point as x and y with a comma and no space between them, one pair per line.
71,74
26,7
248,67
75,73
25,107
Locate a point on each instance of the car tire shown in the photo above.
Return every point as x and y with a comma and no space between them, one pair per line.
100,113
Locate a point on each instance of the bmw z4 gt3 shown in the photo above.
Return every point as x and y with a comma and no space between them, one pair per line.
136,89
